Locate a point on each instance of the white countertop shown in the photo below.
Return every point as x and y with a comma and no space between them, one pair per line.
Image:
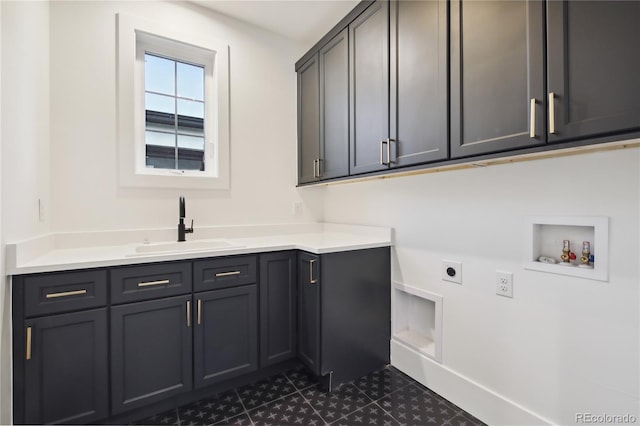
68,251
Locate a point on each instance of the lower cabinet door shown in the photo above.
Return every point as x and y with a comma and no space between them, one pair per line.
225,334
150,351
309,310
278,281
66,368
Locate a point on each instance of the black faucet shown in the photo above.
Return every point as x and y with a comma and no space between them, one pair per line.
181,228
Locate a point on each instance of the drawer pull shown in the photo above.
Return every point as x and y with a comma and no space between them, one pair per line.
150,283
65,294
28,343
199,311
188,313
227,274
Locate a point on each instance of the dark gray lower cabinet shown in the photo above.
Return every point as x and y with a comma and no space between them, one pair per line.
150,351
277,307
112,362
309,310
66,367
344,312
225,334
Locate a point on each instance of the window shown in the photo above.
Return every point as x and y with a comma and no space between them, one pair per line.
174,114
173,107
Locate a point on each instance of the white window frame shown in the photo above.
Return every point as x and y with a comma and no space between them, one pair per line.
135,36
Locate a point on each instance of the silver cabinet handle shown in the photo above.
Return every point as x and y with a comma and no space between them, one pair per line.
532,117
150,283
552,113
188,313
199,311
311,280
386,142
316,168
28,354
226,274
65,294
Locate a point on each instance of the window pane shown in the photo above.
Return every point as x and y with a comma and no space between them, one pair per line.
190,126
191,108
160,103
159,74
159,127
160,157
190,142
160,139
190,81
189,159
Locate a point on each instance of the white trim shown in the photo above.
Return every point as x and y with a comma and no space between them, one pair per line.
130,173
485,404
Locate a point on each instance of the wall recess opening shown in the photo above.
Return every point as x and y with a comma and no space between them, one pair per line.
417,319
568,245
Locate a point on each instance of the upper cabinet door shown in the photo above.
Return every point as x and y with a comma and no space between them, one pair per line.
418,72
369,78
497,81
334,107
593,67
308,121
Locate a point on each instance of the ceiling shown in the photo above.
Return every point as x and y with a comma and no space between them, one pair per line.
303,21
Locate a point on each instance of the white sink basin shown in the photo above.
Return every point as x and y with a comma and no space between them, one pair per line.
179,247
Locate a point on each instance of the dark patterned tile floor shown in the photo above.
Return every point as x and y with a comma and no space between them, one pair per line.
385,397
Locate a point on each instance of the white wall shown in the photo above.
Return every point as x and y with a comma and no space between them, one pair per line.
562,345
25,109
24,145
85,190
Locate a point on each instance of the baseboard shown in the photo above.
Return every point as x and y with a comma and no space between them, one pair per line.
474,398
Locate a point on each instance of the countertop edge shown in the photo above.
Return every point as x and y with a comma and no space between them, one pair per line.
42,254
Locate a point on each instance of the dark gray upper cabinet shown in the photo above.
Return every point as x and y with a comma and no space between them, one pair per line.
593,50
497,79
150,351
278,292
66,369
369,89
418,77
308,120
225,334
334,108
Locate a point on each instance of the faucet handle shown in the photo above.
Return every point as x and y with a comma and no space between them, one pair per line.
189,230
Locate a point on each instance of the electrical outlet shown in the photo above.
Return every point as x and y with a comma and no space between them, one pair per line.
452,271
504,284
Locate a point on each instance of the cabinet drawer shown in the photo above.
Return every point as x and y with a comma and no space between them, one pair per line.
224,272
144,282
61,292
